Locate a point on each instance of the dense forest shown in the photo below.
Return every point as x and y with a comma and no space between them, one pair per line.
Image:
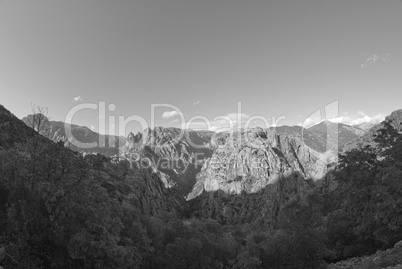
60,209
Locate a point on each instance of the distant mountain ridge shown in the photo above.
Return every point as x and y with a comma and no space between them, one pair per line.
181,161
395,118
107,145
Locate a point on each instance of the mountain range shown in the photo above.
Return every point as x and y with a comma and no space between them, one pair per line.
199,161
259,177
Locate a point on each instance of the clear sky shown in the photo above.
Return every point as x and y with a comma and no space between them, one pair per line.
278,58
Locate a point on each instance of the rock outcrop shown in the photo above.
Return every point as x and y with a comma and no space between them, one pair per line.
176,155
251,160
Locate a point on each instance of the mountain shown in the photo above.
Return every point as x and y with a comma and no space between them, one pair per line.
330,134
177,155
257,198
252,174
253,159
395,119
365,126
182,158
107,145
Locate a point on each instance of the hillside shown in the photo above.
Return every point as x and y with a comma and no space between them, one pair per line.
82,137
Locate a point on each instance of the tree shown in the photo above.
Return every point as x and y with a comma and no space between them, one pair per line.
369,216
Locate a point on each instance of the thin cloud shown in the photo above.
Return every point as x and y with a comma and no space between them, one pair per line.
375,58
360,119
313,120
77,99
196,103
169,114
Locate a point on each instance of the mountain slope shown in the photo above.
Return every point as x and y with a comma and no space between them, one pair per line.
395,118
107,145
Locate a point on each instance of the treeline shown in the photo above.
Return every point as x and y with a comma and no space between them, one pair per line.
365,211
59,209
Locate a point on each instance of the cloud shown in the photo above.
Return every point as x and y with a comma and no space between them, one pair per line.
312,120
360,119
92,127
77,99
375,58
170,114
196,103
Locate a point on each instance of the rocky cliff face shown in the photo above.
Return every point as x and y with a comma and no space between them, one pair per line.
253,159
176,155
198,161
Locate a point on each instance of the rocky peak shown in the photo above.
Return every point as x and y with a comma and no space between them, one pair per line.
259,159
396,119
134,139
177,155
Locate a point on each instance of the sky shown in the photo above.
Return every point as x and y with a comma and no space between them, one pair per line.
278,60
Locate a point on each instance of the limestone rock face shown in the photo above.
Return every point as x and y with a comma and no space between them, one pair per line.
250,160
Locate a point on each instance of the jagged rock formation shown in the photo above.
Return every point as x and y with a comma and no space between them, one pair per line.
57,131
183,158
253,159
176,155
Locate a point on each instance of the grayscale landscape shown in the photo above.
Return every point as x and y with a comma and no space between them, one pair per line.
201,134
